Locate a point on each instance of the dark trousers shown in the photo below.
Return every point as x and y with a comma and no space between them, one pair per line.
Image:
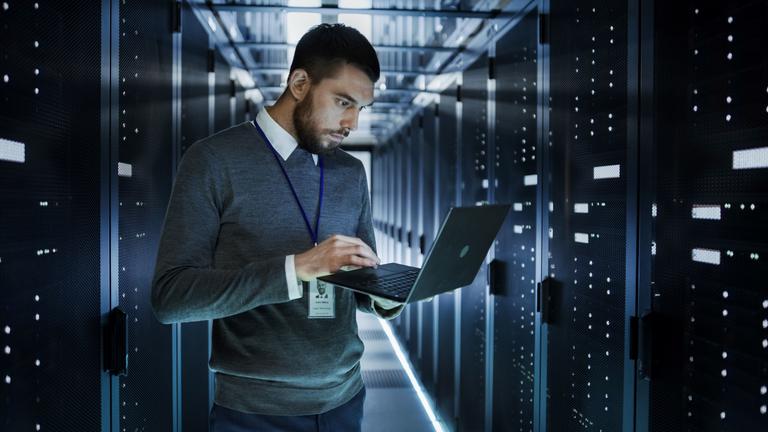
346,418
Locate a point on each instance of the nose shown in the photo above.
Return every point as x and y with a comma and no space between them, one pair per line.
349,122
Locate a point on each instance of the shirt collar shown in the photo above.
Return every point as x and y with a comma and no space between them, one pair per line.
281,140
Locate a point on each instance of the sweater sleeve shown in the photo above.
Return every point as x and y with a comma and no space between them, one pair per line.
185,286
365,303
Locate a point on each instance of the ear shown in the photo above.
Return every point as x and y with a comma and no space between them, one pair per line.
299,84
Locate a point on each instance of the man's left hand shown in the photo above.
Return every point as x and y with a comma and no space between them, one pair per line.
385,303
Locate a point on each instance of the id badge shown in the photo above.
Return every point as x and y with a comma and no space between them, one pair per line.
321,299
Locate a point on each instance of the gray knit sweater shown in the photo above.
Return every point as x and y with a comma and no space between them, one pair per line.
229,225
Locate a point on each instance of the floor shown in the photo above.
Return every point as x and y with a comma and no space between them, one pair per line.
391,402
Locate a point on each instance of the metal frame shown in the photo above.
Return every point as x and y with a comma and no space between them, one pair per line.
375,90
176,330
646,149
457,294
278,69
333,10
417,258
490,304
542,219
435,230
109,205
633,250
262,46
214,11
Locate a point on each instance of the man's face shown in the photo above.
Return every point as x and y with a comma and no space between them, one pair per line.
331,109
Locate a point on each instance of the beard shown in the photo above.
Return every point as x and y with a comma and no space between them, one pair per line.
308,136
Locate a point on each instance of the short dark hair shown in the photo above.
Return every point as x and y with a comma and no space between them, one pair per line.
325,47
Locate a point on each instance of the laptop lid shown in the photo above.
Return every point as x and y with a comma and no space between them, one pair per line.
461,246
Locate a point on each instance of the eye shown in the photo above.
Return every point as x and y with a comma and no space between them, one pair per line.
342,103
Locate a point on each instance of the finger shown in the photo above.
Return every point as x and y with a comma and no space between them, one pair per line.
348,268
358,261
385,303
357,241
359,251
337,241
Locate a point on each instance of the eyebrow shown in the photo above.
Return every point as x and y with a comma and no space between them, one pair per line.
354,101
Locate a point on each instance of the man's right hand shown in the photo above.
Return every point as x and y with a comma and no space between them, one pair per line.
333,253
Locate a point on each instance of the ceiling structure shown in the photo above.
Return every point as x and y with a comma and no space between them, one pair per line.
422,47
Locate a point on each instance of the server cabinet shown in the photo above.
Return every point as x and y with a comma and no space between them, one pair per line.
447,166
240,104
428,159
400,165
515,182
54,267
587,288
399,194
406,162
194,79
391,202
384,205
705,309
195,125
415,160
377,179
223,93
474,191
144,185
406,191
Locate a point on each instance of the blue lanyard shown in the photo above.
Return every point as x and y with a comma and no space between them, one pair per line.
313,233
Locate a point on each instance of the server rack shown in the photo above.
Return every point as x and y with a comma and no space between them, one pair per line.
55,225
415,231
145,70
514,278
704,362
197,65
474,190
428,204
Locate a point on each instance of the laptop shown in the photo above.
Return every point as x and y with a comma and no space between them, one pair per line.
452,262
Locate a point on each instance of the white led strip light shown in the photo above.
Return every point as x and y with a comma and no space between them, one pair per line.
581,208
707,256
12,151
436,423
706,212
751,158
124,169
581,238
606,171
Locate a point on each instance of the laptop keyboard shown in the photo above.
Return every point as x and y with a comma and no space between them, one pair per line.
396,285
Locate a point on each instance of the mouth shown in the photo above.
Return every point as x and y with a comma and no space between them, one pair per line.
336,137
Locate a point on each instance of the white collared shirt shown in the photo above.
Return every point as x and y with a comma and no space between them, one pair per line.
285,144
281,140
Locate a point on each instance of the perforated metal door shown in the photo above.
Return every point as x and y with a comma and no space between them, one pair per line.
474,190
587,215
708,365
516,148
144,185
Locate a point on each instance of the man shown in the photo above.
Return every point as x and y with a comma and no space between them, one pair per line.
259,211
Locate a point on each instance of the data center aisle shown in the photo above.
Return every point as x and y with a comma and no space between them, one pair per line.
391,402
